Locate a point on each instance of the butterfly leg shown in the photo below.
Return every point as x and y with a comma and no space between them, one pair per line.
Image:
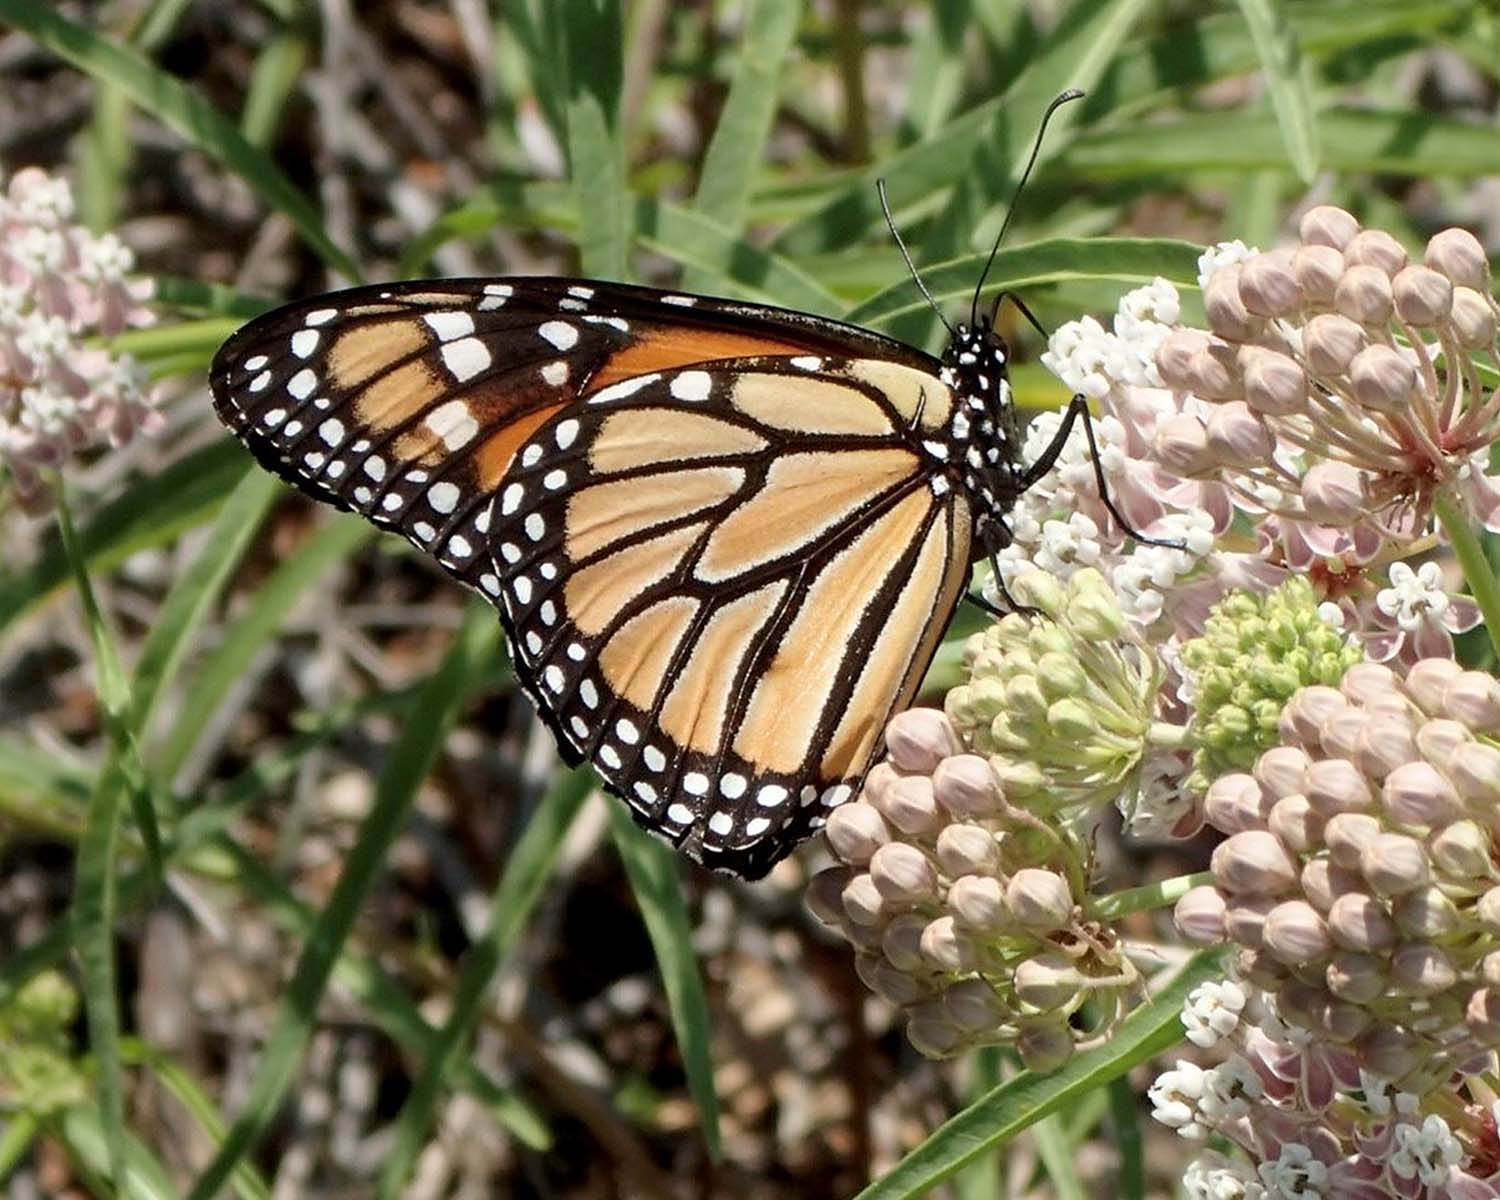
1078,409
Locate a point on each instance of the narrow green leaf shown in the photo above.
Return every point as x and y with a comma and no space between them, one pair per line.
592,36
1056,1153
84,1130
274,78
181,109
1125,1116
980,1180
410,759
17,1133
213,299
1289,81
937,68
657,887
1026,1099
526,873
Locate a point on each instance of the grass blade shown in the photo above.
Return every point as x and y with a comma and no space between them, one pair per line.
1026,1099
273,79
179,108
1056,1153
657,887
592,35
1125,1116
84,1130
410,759
1289,81
526,874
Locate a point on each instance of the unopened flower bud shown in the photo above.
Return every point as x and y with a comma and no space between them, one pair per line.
1318,270
948,948
1333,493
1425,913
1474,769
964,849
1275,385
1458,255
1367,683
1253,862
1472,319
1296,934
1343,1022
1375,248
1227,315
932,1033
1213,373
1482,1016
887,982
1330,342
1392,1053
1181,445
1237,437
1302,1003
1342,731
1268,285
1235,803
972,1005
1047,981
920,738
910,806
1385,743
1393,863
966,787
1260,970
1039,900
1427,680
1282,771
1302,719
1335,785
1358,978
1346,836
1473,699
902,874
1174,357
1364,295
1044,1046
1489,968
1488,909
1245,919
825,892
1199,915
978,903
855,831
1293,820
863,902
1438,740
1461,851
1324,881
901,942
1327,225
1357,921
1417,796
1383,379
1422,969
1424,297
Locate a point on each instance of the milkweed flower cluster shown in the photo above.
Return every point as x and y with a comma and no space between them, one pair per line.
62,289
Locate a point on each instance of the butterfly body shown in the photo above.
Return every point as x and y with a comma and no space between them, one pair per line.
724,539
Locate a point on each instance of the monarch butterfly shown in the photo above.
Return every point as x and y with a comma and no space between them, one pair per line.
724,539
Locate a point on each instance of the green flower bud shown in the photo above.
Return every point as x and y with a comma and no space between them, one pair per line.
1047,981
1044,1045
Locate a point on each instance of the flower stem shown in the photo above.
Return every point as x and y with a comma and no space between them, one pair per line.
1483,585
1152,895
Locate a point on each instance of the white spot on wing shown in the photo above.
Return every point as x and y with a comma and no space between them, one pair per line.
466,359
304,342
302,384
691,385
443,496
626,387
320,316
450,325
559,333
453,423
565,433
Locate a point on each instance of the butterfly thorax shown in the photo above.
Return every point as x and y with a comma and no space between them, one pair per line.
984,431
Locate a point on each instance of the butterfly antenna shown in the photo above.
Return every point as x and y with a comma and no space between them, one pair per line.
1036,148
890,221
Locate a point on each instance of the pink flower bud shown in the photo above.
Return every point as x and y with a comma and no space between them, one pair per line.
1342,731
1462,852
947,948
967,850
862,937
1303,717
1227,315
1375,248
1254,862
1424,297
863,903
1245,919
855,831
901,942
1181,446
1393,863
1294,822
1416,796
920,738
1488,909
1044,1046
1427,679
1472,319
1392,1053
1324,881
1296,934
902,875
1482,1016
972,1005
1275,385
1333,493
1367,682
1235,803
1214,374
1327,225
878,783
1346,836
978,903
1364,295
1268,285
1237,437
966,787
933,1035
1039,900
1318,270
1259,969
1359,922
910,806
1358,978
1199,916
1439,739
1385,744
1174,357
1047,981
1330,342
1334,785
1422,969
1383,379
1343,1022
1425,913
1458,255
1282,771
1474,769
888,982
1473,699
824,896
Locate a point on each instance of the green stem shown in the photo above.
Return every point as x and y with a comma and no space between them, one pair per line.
1483,585
1152,895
